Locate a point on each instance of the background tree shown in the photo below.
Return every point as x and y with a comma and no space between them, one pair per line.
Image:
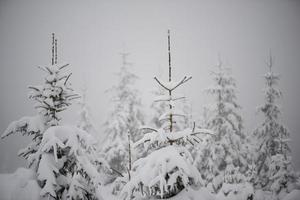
125,116
226,123
85,119
274,171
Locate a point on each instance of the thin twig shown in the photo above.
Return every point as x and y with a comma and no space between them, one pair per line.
161,84
67,78
116,171
63,66
184,80
148,128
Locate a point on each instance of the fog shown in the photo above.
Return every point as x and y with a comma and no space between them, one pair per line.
92,34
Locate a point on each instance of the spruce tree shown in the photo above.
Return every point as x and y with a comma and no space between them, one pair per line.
125,117
274,171
51,98
168,166
226,123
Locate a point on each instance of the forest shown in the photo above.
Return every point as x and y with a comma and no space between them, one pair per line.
168,155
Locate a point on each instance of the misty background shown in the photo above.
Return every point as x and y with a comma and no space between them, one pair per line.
92,34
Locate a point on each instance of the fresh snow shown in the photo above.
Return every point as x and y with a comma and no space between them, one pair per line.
294,195
20,185
168,161
27,124
165,162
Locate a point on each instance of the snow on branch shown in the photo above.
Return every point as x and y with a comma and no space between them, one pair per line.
73,152
168,98
147,129
160,137
150,173
25,126
173,112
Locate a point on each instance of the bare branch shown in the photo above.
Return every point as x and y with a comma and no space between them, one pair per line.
194,125
67,78
190,141
41,68
48,70
184,80
161,84
116,171
129,156
63,66
33,88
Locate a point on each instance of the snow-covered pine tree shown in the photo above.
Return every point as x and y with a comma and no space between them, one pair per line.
167,168
275,172
52,97
85,120
125,116
226,122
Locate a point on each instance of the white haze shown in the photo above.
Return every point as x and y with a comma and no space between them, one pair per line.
92,34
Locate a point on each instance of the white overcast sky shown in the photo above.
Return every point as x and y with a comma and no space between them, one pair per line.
92,34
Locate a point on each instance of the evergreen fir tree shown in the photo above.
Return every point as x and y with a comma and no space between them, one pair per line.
52,97
226,123
125,116
167,168
274,170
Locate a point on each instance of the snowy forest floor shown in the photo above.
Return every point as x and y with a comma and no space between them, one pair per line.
21,185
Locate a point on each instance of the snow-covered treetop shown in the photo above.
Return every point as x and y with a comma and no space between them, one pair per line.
274,169
51,97
125,116
224,86
55,95
224,111
124,90
271,129
127,104
272,93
